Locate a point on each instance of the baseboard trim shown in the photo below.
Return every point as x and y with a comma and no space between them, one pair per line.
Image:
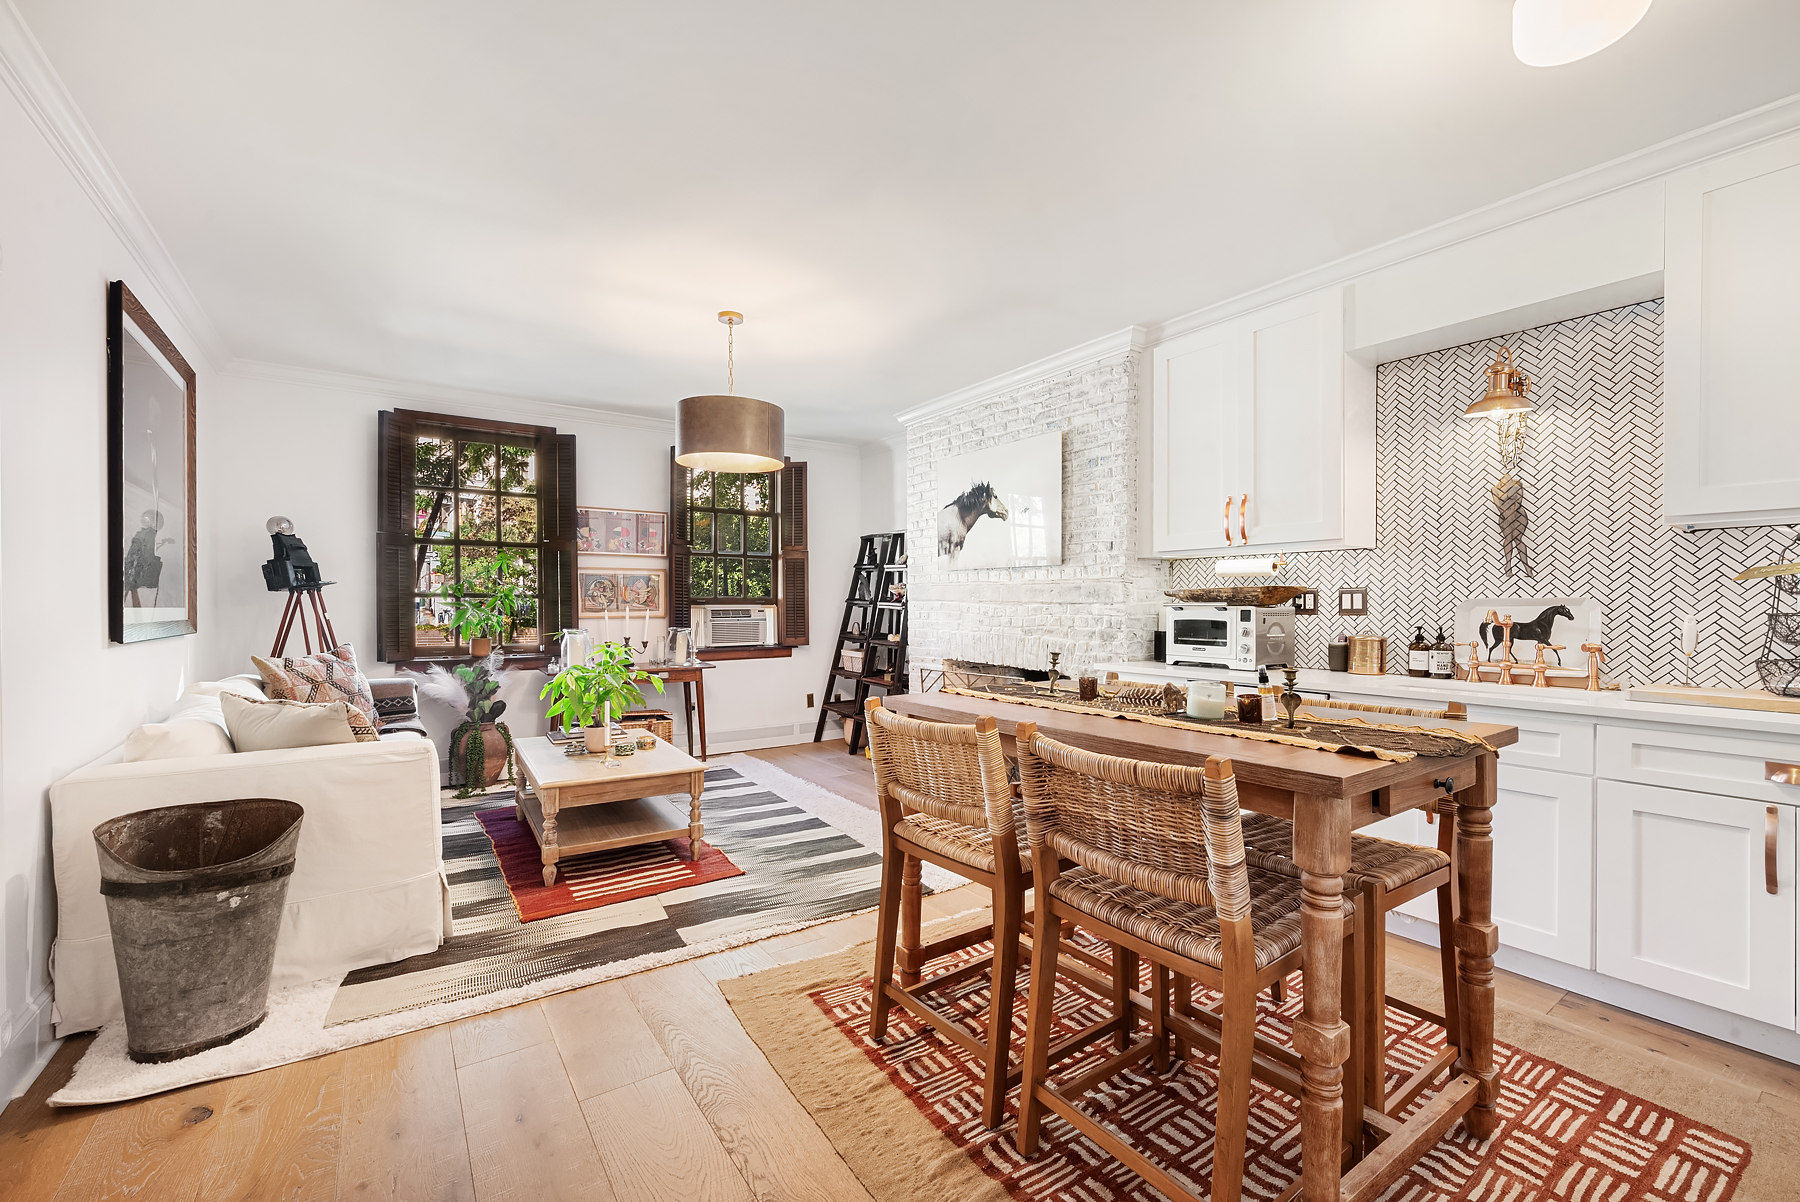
1664,1007
24,1057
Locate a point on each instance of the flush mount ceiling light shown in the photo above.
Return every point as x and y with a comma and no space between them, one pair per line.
729,433
1549,33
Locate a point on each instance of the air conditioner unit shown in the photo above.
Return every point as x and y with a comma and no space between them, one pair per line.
735,625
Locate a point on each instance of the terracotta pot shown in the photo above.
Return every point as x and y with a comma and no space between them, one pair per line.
493,747
596,737
481,648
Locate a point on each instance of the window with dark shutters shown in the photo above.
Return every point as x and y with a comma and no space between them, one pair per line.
459,498
739,538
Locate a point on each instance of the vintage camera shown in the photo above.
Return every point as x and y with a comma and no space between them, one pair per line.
292,566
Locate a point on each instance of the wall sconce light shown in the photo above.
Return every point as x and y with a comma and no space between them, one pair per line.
1507,404
1549,33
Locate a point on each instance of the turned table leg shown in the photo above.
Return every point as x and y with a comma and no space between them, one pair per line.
1322,851
1476,941
549,852
695,829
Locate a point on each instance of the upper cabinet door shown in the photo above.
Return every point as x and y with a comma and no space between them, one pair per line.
1291,424
1733,256
1194,439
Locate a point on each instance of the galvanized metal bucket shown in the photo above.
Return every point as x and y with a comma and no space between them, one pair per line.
195,895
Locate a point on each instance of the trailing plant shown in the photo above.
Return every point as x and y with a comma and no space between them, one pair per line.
474,689
474,751
608,679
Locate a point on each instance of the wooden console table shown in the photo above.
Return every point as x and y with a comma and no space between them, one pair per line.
1326,795
577,803
693,691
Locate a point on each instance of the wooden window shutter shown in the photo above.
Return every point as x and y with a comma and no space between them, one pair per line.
681,603
792,611
394,572
556,533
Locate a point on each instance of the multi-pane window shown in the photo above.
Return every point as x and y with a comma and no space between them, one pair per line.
475,514
732,536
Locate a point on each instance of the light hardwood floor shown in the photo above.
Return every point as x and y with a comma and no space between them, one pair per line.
639,1088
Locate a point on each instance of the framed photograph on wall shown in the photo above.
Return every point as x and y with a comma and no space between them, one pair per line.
151,529
621,531
1001,507
620,591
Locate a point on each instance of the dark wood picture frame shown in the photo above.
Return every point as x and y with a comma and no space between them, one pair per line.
122,307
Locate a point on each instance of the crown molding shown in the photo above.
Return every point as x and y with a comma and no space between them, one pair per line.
1131,338
1650,164
33,81
474,402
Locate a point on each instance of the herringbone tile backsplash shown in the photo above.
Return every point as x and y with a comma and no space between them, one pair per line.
1592,471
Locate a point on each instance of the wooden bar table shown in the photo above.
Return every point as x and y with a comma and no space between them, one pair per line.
1327,795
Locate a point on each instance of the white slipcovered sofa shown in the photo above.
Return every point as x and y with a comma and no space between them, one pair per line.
368,885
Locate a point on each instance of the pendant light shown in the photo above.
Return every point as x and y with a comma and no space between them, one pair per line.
729,433
1549,33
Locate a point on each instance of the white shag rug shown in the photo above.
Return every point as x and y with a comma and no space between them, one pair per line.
295,1028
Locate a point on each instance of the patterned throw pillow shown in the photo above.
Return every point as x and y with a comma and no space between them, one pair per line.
328,676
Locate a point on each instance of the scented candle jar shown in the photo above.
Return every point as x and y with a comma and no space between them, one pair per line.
1250,710
1205,700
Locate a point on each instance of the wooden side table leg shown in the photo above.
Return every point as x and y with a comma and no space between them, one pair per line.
700,700
687,701
1477,938
911,895
695,828
1322,851
550,852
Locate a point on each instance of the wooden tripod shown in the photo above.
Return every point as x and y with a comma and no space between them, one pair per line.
295,614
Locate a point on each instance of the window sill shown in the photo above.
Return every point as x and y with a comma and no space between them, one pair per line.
717,654
524,659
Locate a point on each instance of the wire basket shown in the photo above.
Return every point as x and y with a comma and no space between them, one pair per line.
1780,675
1785,628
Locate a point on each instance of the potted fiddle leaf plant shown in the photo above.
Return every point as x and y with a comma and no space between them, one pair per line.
606,686
479,619
481,743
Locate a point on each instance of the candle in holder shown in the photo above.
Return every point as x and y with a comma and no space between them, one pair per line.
1090,688
1249,707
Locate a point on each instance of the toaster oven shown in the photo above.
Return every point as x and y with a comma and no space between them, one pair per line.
1245,637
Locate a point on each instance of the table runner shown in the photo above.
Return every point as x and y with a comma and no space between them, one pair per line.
1347,736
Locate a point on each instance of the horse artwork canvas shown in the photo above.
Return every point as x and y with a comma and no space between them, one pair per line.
1001,507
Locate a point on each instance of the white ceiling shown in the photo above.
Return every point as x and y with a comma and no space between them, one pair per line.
554,199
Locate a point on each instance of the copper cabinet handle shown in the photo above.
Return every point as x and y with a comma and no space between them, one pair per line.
1771,824
1228,541
1244,520
1782,774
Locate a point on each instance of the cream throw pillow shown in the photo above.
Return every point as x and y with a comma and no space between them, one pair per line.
177,740
275,725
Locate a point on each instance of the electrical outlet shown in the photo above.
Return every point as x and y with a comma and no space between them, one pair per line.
809,701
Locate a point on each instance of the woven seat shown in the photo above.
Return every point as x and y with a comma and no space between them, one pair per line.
1186,929
971,845
1269,841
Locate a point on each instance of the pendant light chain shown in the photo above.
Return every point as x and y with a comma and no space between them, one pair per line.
730,365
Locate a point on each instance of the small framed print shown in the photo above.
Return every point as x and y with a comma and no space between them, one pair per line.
627,591
621,532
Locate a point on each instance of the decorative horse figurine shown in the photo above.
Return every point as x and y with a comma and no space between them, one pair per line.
956,518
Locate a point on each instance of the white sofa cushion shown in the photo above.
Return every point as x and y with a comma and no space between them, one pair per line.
196,726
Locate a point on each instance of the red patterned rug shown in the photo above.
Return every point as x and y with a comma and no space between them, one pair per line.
1562,1136
599,878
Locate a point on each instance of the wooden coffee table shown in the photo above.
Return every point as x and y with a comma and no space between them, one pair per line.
576,803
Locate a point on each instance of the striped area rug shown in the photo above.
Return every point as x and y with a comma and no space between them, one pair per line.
599,878
793,868
1564,1136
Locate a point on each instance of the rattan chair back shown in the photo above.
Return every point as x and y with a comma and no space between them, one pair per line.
1167,829
942,769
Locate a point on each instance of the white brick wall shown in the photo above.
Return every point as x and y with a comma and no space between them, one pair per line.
1101,602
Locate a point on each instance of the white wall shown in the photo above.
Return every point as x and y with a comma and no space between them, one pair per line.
884,485
66,694
303,445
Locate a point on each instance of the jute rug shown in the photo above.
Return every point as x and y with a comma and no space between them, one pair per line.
1582,1119
807,856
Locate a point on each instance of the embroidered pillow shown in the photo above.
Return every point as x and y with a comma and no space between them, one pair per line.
327,676
272,725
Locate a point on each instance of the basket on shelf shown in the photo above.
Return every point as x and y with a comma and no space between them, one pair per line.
660,723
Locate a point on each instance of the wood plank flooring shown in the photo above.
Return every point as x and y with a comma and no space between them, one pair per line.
640,1088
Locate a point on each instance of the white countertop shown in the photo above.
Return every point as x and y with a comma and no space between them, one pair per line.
1578,703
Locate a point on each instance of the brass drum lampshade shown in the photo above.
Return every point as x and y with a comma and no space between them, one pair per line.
729,433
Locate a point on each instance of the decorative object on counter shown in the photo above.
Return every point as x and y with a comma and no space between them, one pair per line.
625,747
1596,656
1443,657
729,433
1537,630
1290,696
1250,709
1506,404
646,742
1088,687
1418,654
1368,655
1353,602
1016,484
1266,595
1337,654
1055,674
1561,620
1690,643
1205,699
1778,661
605,685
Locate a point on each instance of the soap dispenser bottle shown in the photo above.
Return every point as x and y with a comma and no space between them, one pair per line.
1443,657
1418,654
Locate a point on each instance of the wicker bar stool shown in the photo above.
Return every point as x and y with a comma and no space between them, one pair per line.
1383,875
945,799
1159,869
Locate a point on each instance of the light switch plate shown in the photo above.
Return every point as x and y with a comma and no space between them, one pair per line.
1353,602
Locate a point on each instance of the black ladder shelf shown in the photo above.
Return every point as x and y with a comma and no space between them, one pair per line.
872,635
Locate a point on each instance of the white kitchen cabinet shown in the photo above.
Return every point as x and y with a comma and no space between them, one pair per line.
1264,417
1681,903
1732,256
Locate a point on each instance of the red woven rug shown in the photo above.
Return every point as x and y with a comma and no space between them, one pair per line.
1562,1136
599,878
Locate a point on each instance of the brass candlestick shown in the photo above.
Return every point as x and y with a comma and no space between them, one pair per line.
1290,697
1055,675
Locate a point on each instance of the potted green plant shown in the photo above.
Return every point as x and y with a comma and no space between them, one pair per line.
482,744
605,685
477,620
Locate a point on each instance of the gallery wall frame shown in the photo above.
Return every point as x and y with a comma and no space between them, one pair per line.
640,592
638,532
150,478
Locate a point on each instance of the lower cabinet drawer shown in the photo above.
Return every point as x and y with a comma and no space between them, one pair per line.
1681,900
1704,762
1553,743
